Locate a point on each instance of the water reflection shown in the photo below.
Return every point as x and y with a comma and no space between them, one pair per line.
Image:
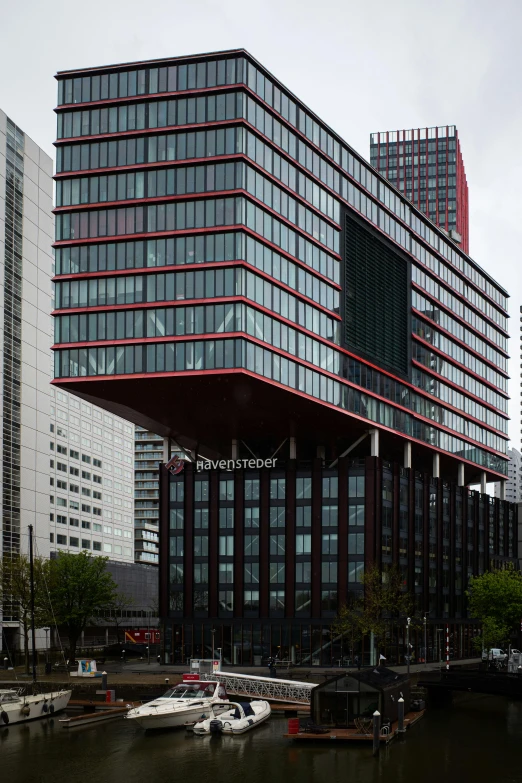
479,740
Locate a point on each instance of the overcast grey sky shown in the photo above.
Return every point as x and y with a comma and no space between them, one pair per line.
361,67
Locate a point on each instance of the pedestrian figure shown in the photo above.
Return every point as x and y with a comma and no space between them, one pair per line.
357,662
271,667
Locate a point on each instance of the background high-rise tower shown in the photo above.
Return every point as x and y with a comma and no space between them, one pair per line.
426,165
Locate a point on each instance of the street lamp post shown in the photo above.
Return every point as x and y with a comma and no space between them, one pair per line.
213,631
408,621
425,638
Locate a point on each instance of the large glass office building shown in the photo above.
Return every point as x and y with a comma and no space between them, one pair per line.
231,275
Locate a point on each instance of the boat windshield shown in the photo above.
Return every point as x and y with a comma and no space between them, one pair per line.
182,692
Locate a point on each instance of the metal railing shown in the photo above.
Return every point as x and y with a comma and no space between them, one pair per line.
265,687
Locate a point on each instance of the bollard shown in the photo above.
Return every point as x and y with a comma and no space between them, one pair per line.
400,717
104,681
376,732
167,681
158,658
6,663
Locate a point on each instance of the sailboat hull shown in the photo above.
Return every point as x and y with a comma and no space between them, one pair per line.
27,708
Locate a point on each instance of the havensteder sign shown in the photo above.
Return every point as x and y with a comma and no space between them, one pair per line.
176,464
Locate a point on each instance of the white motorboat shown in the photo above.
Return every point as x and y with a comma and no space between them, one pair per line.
15,707
234,718
185,704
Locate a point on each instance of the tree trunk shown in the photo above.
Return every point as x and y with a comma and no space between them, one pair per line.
73,641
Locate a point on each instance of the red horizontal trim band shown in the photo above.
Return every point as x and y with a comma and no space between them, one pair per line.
181,268
438,328
160,165
239,371
143,132
469,350
63,107
238,156
291,324
196,231
453,362
244,87
433,226
462,391
453,314
299,328
200,197
281,352
457,295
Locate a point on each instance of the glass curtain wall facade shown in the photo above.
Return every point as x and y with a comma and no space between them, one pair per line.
426,165
261,226
266,557
228,272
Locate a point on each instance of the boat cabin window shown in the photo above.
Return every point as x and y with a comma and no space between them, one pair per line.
182,692
8,696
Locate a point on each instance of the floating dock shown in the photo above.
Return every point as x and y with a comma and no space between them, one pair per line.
94,712
355,735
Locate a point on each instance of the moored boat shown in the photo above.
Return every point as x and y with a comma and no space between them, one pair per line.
186,703
239,718
15,707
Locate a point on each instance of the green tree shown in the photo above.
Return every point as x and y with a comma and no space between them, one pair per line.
382,599
347,625
15,590
495,598
80,590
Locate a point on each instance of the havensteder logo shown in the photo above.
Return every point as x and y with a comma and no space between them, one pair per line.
175,465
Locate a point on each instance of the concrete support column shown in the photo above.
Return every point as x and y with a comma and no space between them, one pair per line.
235,449
166,449
293,448
436,465
503,490
407,454
460,475
374,443
483,487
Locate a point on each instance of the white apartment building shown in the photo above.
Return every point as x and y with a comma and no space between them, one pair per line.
91,479
67,467
26,235
149,452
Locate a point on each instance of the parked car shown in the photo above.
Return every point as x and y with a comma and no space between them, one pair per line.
494,654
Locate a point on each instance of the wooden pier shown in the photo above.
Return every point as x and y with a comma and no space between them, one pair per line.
355,735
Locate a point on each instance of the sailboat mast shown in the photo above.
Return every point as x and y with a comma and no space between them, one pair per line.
31,567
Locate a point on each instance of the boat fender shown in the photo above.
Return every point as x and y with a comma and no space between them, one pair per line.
45,707
26,710
5,717
51,709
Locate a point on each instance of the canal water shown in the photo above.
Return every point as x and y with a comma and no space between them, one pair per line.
479,740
